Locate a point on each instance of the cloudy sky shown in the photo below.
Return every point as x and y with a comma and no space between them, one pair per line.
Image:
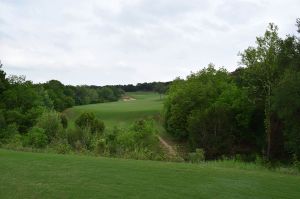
128,41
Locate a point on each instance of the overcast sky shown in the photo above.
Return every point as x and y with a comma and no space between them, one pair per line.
129,41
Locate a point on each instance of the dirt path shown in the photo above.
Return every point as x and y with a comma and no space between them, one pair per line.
168,147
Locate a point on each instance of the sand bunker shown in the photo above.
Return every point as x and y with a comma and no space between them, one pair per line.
127,98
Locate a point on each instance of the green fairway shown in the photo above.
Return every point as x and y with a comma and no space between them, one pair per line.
122,113
36,175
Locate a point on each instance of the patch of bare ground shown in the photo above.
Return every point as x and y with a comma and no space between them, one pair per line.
169,149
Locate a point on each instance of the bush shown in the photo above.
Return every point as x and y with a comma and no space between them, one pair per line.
99,145
8,132
85,120
64,121
15,142
61,146
197,156
144,133
88,120
52,124
79,138
36,137
98,126
111,140
296,162
127,140
140,137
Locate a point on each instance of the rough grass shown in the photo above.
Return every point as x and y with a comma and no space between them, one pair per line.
37,175
121,113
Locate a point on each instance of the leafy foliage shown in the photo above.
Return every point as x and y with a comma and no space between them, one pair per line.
197,156
36,137
89,121
253,110
208,110
51,123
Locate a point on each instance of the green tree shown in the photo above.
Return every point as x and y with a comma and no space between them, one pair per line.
57,93
160,88
36,137
287,104
210,111
51,123
262,73
3,81
107,94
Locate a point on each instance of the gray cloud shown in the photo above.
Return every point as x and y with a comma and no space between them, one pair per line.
239,11
130,41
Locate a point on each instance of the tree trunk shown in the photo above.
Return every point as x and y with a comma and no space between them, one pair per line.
268,121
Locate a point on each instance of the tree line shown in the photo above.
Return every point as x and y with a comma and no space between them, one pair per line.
159,87
22,102
32,118
254,110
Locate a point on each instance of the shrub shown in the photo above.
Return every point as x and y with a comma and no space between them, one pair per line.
82,136
144,133
88,120
61,146
296,162
15,142
111,140
197,156
127,140
36,137
51,123
8,132
139,137
85,119
79,146
260,160
99,145
98,126
64,121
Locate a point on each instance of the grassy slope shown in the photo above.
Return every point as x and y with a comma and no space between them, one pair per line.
122,113
34,175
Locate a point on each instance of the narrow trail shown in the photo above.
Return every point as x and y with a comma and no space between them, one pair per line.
167,146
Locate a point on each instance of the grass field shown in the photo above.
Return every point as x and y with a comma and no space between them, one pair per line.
37,175
46,175
122,113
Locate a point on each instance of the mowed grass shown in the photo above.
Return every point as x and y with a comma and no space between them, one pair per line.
38,175
122,113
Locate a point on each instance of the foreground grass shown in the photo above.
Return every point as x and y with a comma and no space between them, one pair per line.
121,113
36,175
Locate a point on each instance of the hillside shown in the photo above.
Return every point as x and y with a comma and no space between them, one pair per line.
123,112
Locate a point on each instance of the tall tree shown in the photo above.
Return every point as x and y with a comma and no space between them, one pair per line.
160,88
3,80
262,72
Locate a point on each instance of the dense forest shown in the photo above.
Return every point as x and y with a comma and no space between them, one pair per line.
254,110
